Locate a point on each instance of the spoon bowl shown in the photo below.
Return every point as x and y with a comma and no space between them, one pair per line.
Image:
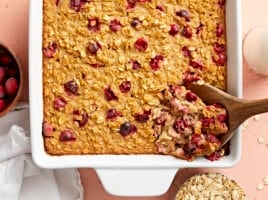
238,109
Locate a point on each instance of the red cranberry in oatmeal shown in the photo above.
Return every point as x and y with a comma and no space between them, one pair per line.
94,24
67,136
141,44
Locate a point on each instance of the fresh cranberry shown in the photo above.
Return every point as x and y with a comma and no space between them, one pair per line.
214,156
221,3
196,140
199,28
94,24
190,96
180,125
135,22
131,4
196,64
5,59
113,113
174,29
84,119
160,120
184,14
213,139
2,74
97,65
219,48
186,52
190,77
143,117
115,25
77,4
186,32
160,7
141,44
109,94
135,64
219,30
11,86
93,48
71,87
207,121
11,72
221,118
219,59
67,135
2,104
125,86
59,103
155,62
50,50
2,91
47,129
126,128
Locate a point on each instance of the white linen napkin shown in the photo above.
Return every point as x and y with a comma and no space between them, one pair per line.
20,178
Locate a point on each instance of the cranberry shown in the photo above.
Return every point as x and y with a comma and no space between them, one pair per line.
5,59
2,104
97,65
221,118
125,86
190,77
219,59
190,96
77,4
113,113
184,14
196,140
219,48
196,64
221,3
219,30
186,32
155,62
94,24
50,50
115,25
174,29
207,121
11,86
143,117
160,7
109,94
57,2
83,120
67,135
2,91
135,22
199,28
180,125
126,128
213,139
131,4
71,87
93,48
186,52
47,129
11,72
2,74
214,156
135,64
59,103
141,44
160,120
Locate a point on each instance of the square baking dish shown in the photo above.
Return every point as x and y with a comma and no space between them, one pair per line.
44,160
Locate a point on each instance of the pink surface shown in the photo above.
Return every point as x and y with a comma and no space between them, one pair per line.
254,162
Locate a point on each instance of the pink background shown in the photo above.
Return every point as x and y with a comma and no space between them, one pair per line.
253,166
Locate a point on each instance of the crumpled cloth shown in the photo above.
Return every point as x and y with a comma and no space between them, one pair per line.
20,178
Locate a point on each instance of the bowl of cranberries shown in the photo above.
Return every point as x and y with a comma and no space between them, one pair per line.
10,80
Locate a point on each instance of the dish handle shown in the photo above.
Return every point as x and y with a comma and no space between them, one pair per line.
136,182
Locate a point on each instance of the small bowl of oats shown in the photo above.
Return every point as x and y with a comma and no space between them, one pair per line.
210,186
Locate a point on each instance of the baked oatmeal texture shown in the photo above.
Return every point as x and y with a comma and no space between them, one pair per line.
106,64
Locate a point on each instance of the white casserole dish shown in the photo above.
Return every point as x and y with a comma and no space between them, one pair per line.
126,162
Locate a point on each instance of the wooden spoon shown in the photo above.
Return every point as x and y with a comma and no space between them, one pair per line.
238,109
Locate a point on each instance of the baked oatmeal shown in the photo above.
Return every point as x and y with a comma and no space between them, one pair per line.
109,66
